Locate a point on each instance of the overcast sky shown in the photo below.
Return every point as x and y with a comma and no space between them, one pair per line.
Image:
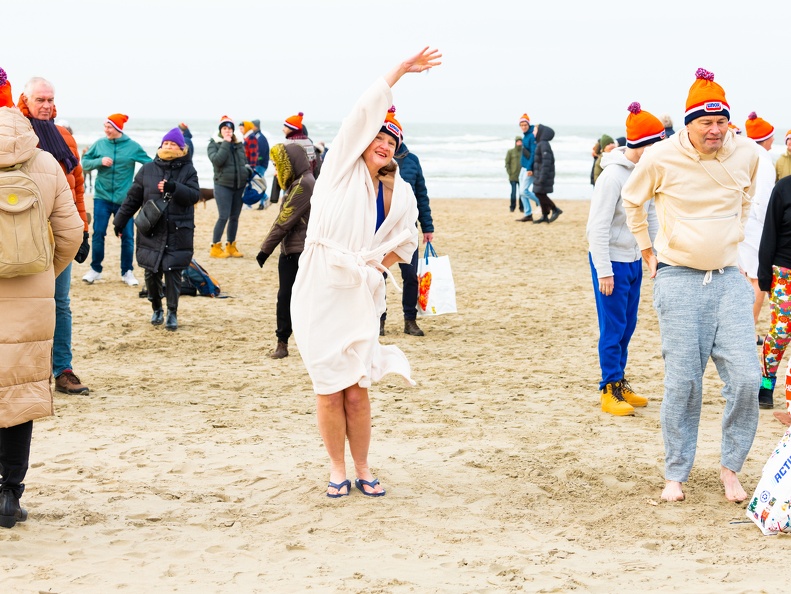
562,62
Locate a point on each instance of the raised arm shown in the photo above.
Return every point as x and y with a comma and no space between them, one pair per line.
423,60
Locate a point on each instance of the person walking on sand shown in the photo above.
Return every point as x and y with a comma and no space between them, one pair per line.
362,221
29,306
702,180
226,153
513,167
288,230
170,178
763,133
114,158
616,263
37,103
544,174
526,174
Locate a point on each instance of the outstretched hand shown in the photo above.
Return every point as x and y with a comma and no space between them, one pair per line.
424,60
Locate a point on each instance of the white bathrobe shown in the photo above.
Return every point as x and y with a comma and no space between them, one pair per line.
339,293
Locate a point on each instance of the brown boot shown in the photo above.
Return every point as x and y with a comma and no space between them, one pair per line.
411,327
281,351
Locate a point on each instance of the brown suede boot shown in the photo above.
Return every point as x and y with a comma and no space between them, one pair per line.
281,351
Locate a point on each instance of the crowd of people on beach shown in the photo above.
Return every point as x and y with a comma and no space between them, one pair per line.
342,224
709,215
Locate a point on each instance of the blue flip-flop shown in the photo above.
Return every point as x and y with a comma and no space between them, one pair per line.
339,486
360,482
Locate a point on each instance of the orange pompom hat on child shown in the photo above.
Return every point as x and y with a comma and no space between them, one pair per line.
525,118
392,127
642,128
117,121
757,128
706,98
294,122
5,90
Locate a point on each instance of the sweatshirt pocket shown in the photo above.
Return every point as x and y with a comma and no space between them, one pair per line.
704,243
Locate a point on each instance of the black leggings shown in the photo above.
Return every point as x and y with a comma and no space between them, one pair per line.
287,267
172,288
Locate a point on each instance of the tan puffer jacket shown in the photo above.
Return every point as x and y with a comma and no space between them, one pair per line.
28,302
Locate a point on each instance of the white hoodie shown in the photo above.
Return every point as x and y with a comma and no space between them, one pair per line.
609,238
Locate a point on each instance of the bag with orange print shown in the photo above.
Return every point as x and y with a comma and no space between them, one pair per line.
436,291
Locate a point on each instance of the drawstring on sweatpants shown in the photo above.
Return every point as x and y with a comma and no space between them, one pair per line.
707,276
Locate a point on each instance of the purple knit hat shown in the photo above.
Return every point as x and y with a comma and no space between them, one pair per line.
176,136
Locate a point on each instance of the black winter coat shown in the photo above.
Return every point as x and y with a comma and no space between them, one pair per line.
171,245
544,164
229,162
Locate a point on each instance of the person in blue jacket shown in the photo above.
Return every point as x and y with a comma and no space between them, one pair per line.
412,173
526,176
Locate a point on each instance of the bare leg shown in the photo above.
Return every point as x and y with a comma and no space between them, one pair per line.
672,491
358,430
733,488
784,417
331,420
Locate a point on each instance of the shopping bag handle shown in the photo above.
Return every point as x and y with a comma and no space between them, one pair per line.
429,251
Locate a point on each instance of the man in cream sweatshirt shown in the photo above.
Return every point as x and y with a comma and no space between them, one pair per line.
702,182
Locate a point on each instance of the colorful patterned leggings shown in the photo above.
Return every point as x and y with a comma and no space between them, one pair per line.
779,335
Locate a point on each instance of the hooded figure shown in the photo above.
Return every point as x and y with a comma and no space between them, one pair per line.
544,174
289,230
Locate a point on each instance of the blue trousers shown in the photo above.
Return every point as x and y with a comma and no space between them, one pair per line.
525,183
617,317
61,345
696,322
103,210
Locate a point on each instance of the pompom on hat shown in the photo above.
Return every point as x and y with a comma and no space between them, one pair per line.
706,98
392,127
294,122
117,121
176,136
5,90
226,121
642,127
525,118
757,128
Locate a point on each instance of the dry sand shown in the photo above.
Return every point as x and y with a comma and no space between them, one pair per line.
195,464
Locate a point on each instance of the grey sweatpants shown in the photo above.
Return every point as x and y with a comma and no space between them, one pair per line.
698,321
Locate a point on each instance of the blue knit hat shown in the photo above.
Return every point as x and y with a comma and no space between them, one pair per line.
176,136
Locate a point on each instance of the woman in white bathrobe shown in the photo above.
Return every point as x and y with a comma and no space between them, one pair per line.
339,292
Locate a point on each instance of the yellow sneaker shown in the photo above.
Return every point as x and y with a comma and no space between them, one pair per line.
613,402
230,249
630,396
217,251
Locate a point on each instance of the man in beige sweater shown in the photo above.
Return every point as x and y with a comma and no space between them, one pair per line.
702,181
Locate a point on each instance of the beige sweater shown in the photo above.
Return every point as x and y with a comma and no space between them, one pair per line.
702,201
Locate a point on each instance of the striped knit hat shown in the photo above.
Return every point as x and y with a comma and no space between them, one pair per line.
294,122
5,90
757,128
642,127
226,121
706,98
117,121
525,118
734,128
392,127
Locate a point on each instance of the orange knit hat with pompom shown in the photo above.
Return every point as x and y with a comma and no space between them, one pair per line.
706,98
642,128
5,90
392,127
294,122
757,128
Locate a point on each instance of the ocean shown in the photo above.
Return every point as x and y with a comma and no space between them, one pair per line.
458,161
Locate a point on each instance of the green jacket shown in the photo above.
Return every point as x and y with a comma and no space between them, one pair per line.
113,182
513,161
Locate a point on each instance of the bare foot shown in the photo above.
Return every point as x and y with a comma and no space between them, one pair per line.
733,488
784,417
672,491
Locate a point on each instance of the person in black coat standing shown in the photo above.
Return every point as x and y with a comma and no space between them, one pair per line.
171,180
544,174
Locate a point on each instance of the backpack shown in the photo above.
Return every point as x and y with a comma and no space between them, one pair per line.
26,240
196,281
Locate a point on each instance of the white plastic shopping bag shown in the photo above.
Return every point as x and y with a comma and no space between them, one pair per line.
436,292
770,506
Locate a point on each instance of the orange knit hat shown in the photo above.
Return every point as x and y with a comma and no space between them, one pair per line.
392,127
294,122
788,134
5,90
706,98
525,118
757,128
117,121
642,128
734,128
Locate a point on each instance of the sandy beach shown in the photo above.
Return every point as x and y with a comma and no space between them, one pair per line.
195,465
